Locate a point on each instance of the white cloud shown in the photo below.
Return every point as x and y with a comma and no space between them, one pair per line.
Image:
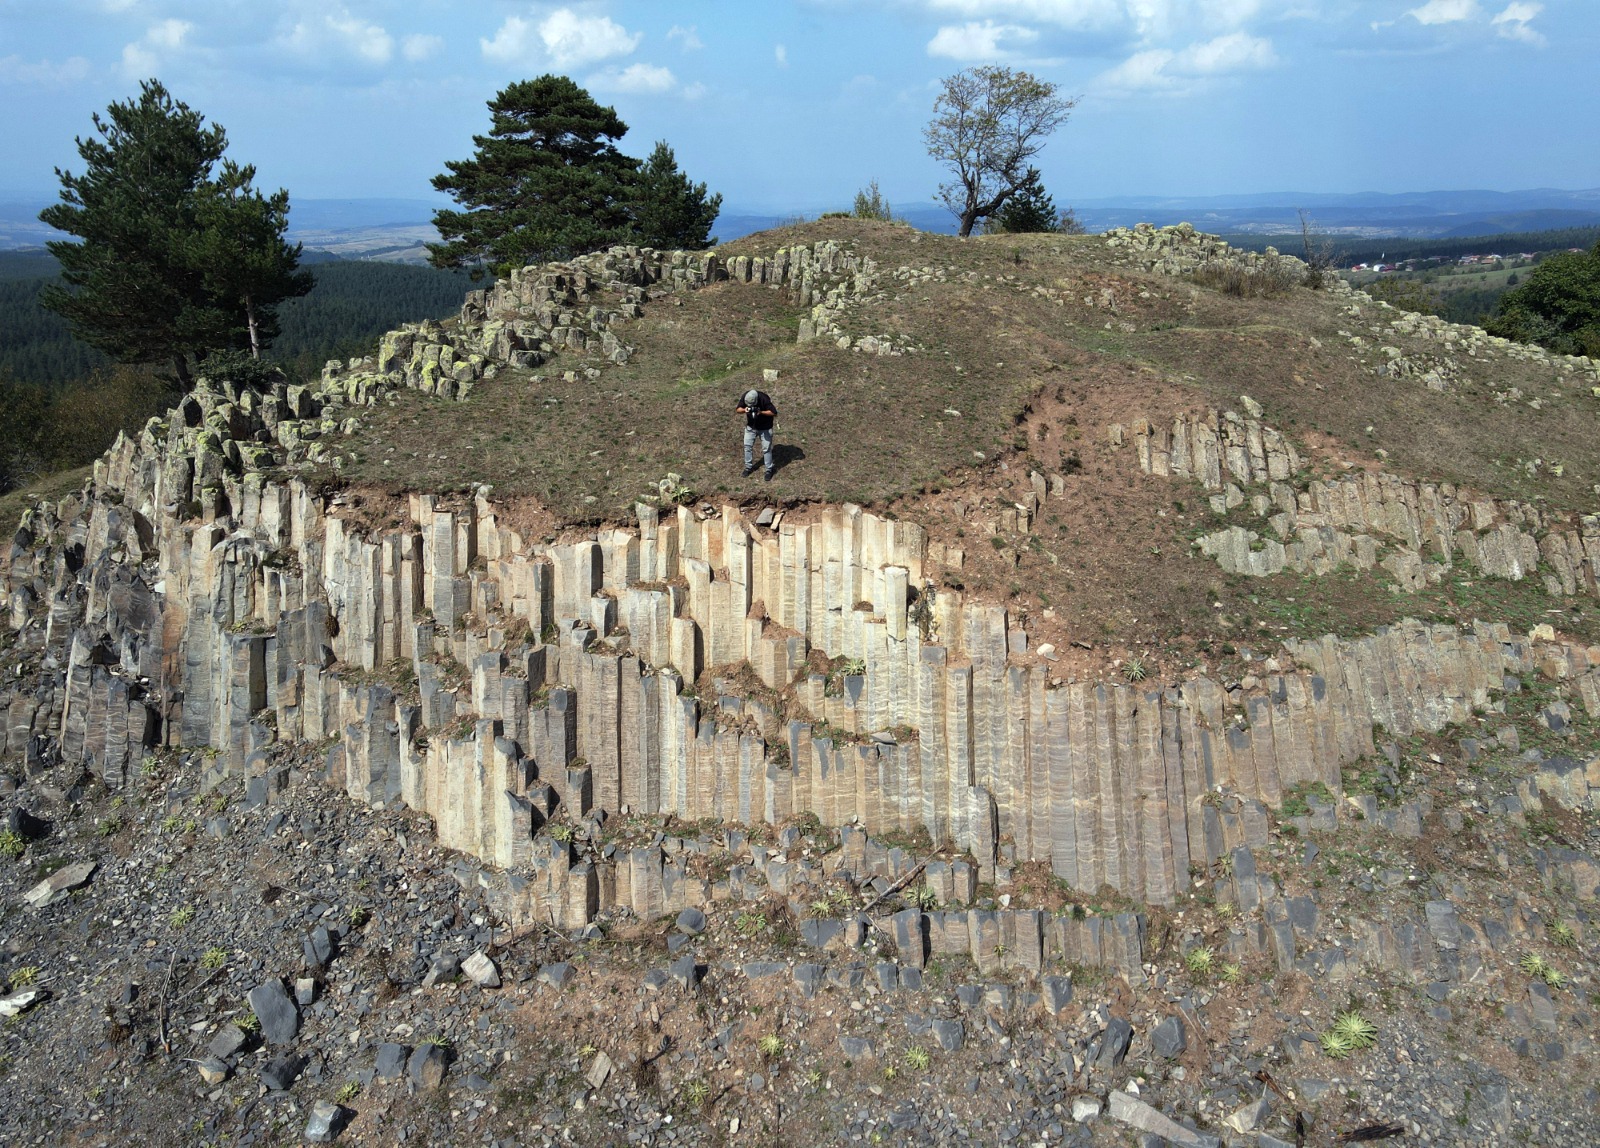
16,70
1065,13
781,55
637,79
573,39
643,79
1235,52
1444,11
975,41
564,38
421,47
336,32
1140,71
687,38
1513,23
143,58
513,43
1161,69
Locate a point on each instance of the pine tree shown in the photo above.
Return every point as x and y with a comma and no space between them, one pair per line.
164,250
1030,208
546,183
238,246
668,211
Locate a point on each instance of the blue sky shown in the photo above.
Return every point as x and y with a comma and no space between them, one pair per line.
794,104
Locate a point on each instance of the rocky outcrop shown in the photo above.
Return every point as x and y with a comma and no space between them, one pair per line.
1417,531
582,307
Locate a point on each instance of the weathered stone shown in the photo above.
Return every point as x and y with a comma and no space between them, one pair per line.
1057,993
59,884
444,968
281,1072
229,1041
279,1018
324,1123
428,1065
391,1061
685,972
213,1070
951,1034
691,922
481,970
1137,1114
599,1070
556,975
1114,1043
1169,1039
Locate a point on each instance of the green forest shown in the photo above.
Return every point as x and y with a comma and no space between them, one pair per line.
352,303
62,402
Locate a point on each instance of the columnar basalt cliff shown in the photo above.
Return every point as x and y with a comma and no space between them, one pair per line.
496,683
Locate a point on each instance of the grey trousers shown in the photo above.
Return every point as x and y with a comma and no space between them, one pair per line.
750,436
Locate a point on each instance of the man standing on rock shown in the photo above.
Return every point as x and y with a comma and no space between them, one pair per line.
758,411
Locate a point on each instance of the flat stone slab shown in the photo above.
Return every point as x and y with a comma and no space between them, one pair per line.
280,1020
60,883
1137,1114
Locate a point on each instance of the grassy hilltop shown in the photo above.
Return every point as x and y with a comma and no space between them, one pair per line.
1027,348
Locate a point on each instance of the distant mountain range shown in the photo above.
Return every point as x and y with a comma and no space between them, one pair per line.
395,230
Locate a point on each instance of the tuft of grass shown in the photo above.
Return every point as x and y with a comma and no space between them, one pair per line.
695,1093
563,832
1563,934
12,844
109,826
351,1090
1136,670
750,925
249,1022
214,958
1230,973
1534,965
917,1058
770,1046
24,976
924,898
1201,960
181,918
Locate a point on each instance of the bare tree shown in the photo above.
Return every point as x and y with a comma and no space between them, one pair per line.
988,122
1318,251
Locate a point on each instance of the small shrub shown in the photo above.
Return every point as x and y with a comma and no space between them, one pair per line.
110,826
1135,670
750,925
924,898
12,844
917,1058
23,977
1201,960
1334,1046
1356,1030
563,832
1230,973
249,1022
1562,933
1534,965
359,915
351,1090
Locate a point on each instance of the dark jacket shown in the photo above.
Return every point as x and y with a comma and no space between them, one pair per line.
761,415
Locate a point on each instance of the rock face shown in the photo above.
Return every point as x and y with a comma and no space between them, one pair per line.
191,600
1315,525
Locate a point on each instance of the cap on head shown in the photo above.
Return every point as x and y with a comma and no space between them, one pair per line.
751,397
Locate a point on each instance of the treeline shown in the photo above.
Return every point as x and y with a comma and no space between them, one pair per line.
1347,252
45,429
62,403
352,303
